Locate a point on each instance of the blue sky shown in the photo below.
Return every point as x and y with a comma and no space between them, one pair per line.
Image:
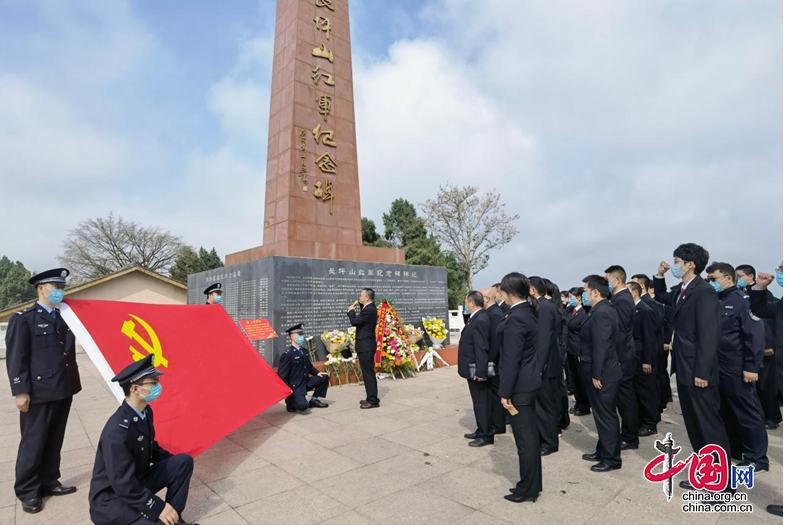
616,129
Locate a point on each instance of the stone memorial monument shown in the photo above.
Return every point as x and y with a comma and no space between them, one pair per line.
312,262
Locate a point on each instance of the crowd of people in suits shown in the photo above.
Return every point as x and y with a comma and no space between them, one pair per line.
527,346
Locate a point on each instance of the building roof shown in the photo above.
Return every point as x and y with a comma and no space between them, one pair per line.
85,286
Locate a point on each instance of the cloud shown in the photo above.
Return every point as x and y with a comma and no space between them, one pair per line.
617,130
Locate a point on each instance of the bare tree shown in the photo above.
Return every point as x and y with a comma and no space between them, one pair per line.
98,247
470,225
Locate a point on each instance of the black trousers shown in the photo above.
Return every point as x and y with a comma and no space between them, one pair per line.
744,421
38,459
648,394
547,410
603,405
768,389
173,474
563,417
664,379
568,381
627,403
527,442
578,384
498,414
701,410
319,385
369,377
481,400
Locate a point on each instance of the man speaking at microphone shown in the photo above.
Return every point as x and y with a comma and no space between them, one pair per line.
365,343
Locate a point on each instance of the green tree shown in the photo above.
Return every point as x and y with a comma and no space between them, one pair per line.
405,229
14,288
189,262
370,236
402,225
427,251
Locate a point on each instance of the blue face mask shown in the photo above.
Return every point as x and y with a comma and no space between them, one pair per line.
716,286
572,302
779,278
466,309
740,283
676,271
300,340
585,299
56,296
610,287
217,299
155,391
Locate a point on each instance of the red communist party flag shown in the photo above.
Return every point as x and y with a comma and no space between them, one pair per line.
214,382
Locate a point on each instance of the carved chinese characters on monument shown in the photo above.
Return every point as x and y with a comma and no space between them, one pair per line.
325,162
303,170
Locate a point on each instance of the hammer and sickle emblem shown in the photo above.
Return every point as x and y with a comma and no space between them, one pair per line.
153,347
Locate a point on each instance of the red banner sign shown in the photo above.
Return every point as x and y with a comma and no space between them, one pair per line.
258,329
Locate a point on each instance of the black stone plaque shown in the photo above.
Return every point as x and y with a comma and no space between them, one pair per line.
317,292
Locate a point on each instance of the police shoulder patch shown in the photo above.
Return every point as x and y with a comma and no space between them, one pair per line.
754,317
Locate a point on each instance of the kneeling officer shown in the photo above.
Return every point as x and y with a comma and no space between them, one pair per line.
130,466
296,369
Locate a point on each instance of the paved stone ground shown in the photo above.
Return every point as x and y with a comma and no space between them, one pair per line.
404,463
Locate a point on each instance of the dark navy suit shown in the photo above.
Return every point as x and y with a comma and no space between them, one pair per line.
473,350
297,371
696,342
498,414
599,361
741,350
41,361
627,401
130,468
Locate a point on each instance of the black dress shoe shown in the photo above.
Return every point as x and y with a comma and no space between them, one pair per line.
686,485
368,405
645,432
579,413
289,409
771,425
473,435
546,451
497,432
32,506
603,467
519,498
628,446
60,490
481,442
318,403
591,457
774,509
757,467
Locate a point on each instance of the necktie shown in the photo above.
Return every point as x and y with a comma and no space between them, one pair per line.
54,314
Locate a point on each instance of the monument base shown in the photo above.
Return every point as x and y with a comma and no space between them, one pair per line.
319,250
317,292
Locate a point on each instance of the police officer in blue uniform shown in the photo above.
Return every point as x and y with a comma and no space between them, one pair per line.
130,467
740,358
214,293
297,371
41,364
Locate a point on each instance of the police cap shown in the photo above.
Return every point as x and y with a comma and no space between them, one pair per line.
138,370
213,288
296,329
55,276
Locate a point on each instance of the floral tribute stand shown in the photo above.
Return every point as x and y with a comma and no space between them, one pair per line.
438,333
393,351
341,361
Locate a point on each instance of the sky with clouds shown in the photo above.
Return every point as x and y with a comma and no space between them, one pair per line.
615,129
